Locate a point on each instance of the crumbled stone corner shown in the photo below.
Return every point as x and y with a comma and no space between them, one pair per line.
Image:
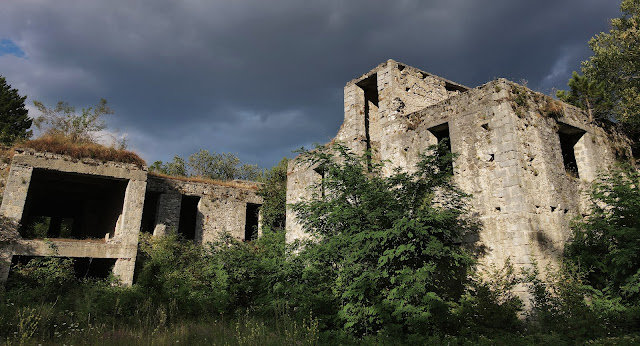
526,158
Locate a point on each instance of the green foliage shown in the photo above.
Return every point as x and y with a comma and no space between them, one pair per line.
388,247
64,121
274,194
178,270
589,95
606,244
176,168
14,118
610,85
203,164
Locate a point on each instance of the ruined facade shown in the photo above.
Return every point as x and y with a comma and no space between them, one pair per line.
94,211
527,159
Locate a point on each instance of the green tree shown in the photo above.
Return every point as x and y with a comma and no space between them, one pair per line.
64,121
14,118
610,84
203,164
387,246
606,244
176,168
274,194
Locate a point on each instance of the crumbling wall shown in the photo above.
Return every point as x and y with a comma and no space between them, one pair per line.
220,208
121,243
526,188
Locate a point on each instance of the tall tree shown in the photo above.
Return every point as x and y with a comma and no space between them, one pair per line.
14,119
610,85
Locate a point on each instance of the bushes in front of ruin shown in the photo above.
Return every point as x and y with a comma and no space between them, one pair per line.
385,256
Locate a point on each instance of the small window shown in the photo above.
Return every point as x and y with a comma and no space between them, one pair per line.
251,222
569,137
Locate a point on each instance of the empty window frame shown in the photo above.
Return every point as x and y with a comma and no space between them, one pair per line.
569,137
369,86
69,205
251,222
441,132
188,216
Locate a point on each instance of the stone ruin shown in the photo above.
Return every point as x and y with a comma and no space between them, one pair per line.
94,211
527,159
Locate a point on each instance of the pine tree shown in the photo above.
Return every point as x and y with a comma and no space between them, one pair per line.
14,119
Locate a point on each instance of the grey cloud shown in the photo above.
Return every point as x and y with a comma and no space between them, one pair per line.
261,77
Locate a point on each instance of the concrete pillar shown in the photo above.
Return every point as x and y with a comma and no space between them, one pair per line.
123,269
168,215
15,193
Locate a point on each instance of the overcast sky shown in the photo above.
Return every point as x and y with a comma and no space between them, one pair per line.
261,78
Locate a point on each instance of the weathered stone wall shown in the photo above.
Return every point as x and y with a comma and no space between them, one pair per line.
220,209
510,157
123,245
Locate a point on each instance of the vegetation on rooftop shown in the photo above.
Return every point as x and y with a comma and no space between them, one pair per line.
63,145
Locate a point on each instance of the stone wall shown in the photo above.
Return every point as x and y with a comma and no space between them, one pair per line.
77,189
220,208
508,139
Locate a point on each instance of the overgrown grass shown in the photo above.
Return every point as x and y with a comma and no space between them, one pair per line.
79,150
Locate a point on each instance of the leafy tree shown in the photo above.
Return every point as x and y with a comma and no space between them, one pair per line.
14,119
203,164
388,247
610,85
607,242
589,95
64,121
274,194
177,167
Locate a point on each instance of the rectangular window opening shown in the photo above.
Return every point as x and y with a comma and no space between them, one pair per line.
251,222
188,216
369,86
569,137
150,211
71,205
441,132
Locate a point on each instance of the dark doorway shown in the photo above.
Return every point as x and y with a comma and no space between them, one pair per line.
149,211
251,222
188,216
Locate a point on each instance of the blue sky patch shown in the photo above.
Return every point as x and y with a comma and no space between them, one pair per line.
8,47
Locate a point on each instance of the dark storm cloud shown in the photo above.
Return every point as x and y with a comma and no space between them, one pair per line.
260,78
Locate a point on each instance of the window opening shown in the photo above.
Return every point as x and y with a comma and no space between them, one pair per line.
441,132
150,211
71,205
188,216
569,137
251,222
370,87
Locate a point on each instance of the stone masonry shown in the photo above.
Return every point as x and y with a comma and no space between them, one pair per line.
526,159
110,204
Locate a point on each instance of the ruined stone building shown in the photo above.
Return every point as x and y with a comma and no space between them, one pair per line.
94,211
526,159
